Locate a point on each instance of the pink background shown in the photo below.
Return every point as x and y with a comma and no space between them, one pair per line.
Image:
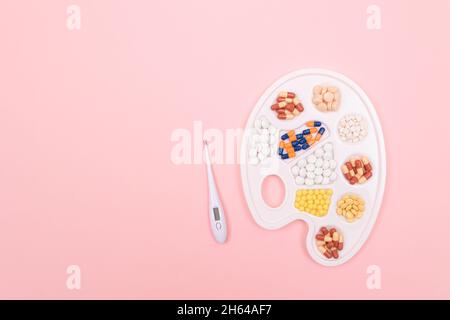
85,125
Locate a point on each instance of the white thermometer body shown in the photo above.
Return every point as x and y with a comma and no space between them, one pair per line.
216,213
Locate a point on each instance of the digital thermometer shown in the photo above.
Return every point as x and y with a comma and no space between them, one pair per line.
216,213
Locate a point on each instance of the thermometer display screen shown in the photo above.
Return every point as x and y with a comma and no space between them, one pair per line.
216,214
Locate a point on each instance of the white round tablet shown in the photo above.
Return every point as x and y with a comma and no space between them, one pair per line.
318,179
301,163
299,180
311,159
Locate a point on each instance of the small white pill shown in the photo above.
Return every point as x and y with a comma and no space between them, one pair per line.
311,159
299,180
333,176
264,138
295,170
318,179
264,123
333,164
326,164
253,161
261,156
319,153
328,156
309,182
302,172
319,163
301,163
273,139
327,173
318,171
328,147
310,167
310,175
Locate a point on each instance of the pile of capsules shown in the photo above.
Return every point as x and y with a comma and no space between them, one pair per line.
292,142
357,170
329,242
288,106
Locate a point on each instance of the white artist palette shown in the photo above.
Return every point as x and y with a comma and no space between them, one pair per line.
353,101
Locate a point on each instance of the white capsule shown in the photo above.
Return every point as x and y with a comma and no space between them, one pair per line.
295,170
299,180
310,167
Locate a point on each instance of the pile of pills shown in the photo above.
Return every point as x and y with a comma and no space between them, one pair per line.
357,170
352,128
351,207
313,201
288,106
293,142
329,242
317,169
326,98
262,141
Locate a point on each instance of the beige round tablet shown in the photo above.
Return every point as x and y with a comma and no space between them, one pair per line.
334,105
337,95
317,99
332,89
328,97
317,90
322,106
